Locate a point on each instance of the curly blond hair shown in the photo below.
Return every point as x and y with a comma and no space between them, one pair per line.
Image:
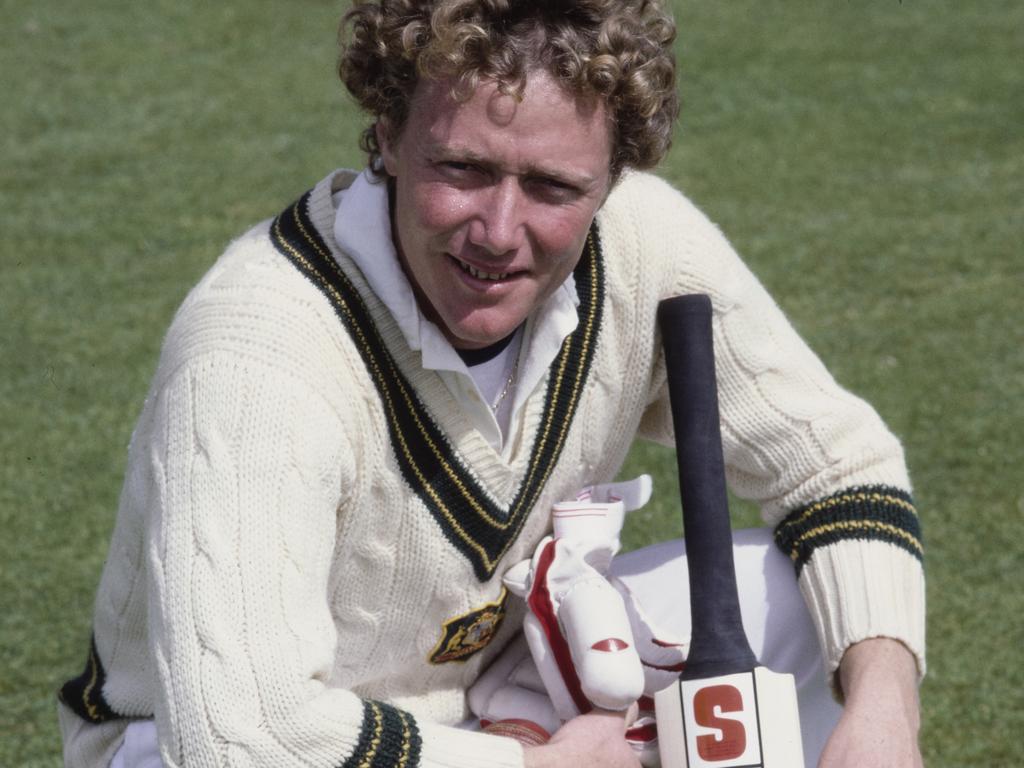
617,50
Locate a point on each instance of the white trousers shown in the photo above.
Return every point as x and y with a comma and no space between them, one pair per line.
774,615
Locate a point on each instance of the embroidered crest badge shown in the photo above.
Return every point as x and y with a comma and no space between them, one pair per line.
464,635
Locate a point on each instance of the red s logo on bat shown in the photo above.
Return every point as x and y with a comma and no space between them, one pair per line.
720,722
745,720
733,740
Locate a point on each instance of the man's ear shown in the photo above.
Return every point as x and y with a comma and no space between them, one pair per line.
385,140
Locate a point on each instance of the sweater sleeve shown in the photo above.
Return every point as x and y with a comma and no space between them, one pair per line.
829,477
248,467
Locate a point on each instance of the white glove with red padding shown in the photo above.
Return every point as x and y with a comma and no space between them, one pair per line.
577,628
590,640
592,517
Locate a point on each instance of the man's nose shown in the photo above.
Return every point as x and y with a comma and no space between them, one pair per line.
499,224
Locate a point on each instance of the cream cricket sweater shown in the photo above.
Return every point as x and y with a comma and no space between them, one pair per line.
306,563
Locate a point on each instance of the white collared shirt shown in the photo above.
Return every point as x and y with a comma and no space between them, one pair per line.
362,229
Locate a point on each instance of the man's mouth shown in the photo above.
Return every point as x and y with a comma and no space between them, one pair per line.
479,274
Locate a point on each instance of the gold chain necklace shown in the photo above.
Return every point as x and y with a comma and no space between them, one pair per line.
508,386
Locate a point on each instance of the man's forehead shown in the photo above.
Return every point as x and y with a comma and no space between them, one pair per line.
549,128
502,101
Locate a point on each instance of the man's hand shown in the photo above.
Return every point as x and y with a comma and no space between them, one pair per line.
881,718
596,740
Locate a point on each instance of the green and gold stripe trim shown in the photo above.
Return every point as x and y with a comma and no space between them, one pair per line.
388,738
84,694
875,512
479,527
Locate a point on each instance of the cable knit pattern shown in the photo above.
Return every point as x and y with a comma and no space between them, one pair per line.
275,588
791,436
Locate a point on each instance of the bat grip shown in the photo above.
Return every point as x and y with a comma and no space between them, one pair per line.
718,643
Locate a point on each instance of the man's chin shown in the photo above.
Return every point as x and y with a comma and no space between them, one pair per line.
476,327
476,337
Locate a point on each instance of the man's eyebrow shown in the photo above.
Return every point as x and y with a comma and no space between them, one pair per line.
581,180
553,172
458,154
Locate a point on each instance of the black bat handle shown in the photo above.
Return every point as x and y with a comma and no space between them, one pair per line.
718,644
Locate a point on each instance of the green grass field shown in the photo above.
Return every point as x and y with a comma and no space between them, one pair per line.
866,158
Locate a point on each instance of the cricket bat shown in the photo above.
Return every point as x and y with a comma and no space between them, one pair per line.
726,710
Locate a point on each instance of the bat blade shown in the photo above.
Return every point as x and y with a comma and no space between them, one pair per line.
725,711
742,720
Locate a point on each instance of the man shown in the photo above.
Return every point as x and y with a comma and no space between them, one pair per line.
363,413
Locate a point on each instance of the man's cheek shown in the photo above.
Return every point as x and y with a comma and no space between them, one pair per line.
438,209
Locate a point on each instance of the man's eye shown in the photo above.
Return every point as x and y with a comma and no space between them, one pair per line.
554,189
556,184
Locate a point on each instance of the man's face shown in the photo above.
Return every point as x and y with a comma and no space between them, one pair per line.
493,200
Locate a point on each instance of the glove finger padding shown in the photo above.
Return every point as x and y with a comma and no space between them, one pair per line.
662,656
578,630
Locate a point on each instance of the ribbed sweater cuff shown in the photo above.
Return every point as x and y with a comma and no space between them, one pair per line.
447,747
860,589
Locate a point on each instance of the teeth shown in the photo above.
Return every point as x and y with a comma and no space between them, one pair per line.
481,275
